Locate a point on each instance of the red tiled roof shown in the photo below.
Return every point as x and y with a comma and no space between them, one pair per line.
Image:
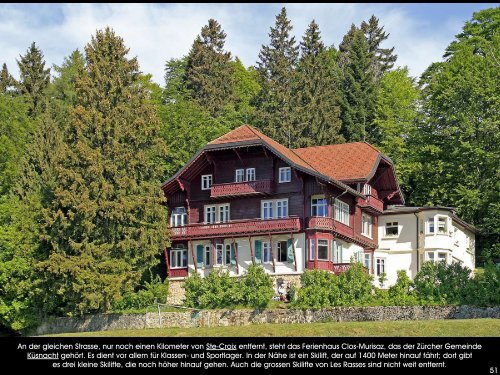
240,134
344,162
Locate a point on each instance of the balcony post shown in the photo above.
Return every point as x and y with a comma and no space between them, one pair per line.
236,256
294,252
272,252
192,256
167,262
251,249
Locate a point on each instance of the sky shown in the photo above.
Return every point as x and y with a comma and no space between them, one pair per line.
156,33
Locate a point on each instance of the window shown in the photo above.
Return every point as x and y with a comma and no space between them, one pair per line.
442,225
268,256
282,251
323,249
210,214
178,258
228,254
218,213
267,210
179,217
442,257
219,257
208,251
311,250
338,250
285,174
430,225
367,261
240,175
223,213
380,264
282,208
430,256
391,229
367,189
342,212
319,207
366,229
206,181
250,174
274,209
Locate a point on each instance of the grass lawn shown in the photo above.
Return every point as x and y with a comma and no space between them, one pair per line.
466,327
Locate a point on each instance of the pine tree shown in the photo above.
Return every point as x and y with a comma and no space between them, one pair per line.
34,78
209,72
358,89
276,68
105,225
7,82
63,88
317,92
383,58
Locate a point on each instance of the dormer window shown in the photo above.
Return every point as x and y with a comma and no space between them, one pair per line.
206,181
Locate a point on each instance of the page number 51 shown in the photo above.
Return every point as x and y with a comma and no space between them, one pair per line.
493,370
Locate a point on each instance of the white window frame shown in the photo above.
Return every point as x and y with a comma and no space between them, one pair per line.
227,254
367,258
380,266
206,181
366,225
285,175
267,253
207,249
312,249
316,205
342,214
213,214
430,223
440,219
178,254
221,210
367,189
219,248
337,252
177,218
239,175
390,225
439,258
324,242
430,256
272,205
250,174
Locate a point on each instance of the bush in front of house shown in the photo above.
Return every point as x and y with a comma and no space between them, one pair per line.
155,290
257,287
319,289
402,293
484,289
355,286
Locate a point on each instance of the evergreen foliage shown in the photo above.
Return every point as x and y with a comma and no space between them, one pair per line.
7,82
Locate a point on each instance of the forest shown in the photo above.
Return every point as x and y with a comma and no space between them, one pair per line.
85,145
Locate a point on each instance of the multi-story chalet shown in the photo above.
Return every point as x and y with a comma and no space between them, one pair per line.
244,198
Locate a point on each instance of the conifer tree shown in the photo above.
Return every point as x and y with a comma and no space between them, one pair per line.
34,78
358,89
317,92
209,72
276,68
7,82
383,58
105,225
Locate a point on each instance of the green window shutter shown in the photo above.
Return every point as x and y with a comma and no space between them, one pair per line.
258,251
199,256
233,254
290,254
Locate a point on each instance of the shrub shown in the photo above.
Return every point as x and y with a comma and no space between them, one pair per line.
318,289
257,287
401,294
155,290
193,287
382,279
442,283
484,289
355,286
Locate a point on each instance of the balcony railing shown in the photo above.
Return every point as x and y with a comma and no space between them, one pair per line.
236,227
336,268
373,204
339,229
242,188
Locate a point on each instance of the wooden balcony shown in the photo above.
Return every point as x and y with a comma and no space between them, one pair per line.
372,204
336,268
234,189
252,227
